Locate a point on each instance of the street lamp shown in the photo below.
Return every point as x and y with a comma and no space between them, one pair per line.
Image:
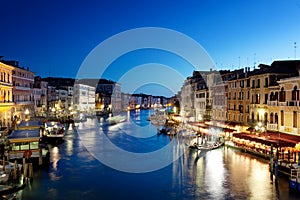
260,127
200,117
26,111
53,110
26,114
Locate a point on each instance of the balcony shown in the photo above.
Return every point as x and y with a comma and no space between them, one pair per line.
6,103
19,102
292,103
272,103
272,127
22,88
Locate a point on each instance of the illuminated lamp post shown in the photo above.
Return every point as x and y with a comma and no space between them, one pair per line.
27,117
260,128
53,111
200,117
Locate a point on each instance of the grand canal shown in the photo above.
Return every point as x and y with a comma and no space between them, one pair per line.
76,172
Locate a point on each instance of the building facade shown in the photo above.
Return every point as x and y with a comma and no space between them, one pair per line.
6,88
23,80
84,98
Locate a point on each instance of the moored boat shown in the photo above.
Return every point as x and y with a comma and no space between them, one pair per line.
115,119
54,132
295,180
27,142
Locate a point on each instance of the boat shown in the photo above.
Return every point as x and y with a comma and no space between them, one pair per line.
27,143
164,130
295,180
8,191
208,147
158,118
10,166
4,176
115,119
54,131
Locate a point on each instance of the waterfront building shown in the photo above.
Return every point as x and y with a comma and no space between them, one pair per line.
40,97
6,87
116,100
197,95
84,98
220,101
125,99
158,101
108,94
238,97
286,105
264,82
59,94
52,98
23,80
187,96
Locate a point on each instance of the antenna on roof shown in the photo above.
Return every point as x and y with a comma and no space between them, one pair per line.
254,61
295,47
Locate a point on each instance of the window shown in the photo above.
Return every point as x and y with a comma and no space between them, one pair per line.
295,94
282,117
266,98
242,84
266,117
248,82
257,99
266,82
271,118
282,95
295,119
258,83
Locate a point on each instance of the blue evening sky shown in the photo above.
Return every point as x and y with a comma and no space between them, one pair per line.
53,37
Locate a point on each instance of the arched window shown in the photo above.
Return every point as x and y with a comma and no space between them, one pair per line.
266,117
276,118
295,119
271,118
295,94
282,95
257,116
257,99
272,97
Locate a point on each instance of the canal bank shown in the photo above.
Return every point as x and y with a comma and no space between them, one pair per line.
75,173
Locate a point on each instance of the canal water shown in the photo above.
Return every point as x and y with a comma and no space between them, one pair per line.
77,170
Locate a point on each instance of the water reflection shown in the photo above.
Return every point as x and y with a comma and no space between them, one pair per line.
75,173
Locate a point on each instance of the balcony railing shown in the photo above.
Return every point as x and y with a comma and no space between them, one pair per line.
272,103
282,103
6,103
21,88
292,103
23,102
272,127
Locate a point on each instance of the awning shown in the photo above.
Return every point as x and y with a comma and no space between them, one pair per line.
269,140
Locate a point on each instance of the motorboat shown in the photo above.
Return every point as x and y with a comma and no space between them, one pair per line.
115,119
54,131
4,176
